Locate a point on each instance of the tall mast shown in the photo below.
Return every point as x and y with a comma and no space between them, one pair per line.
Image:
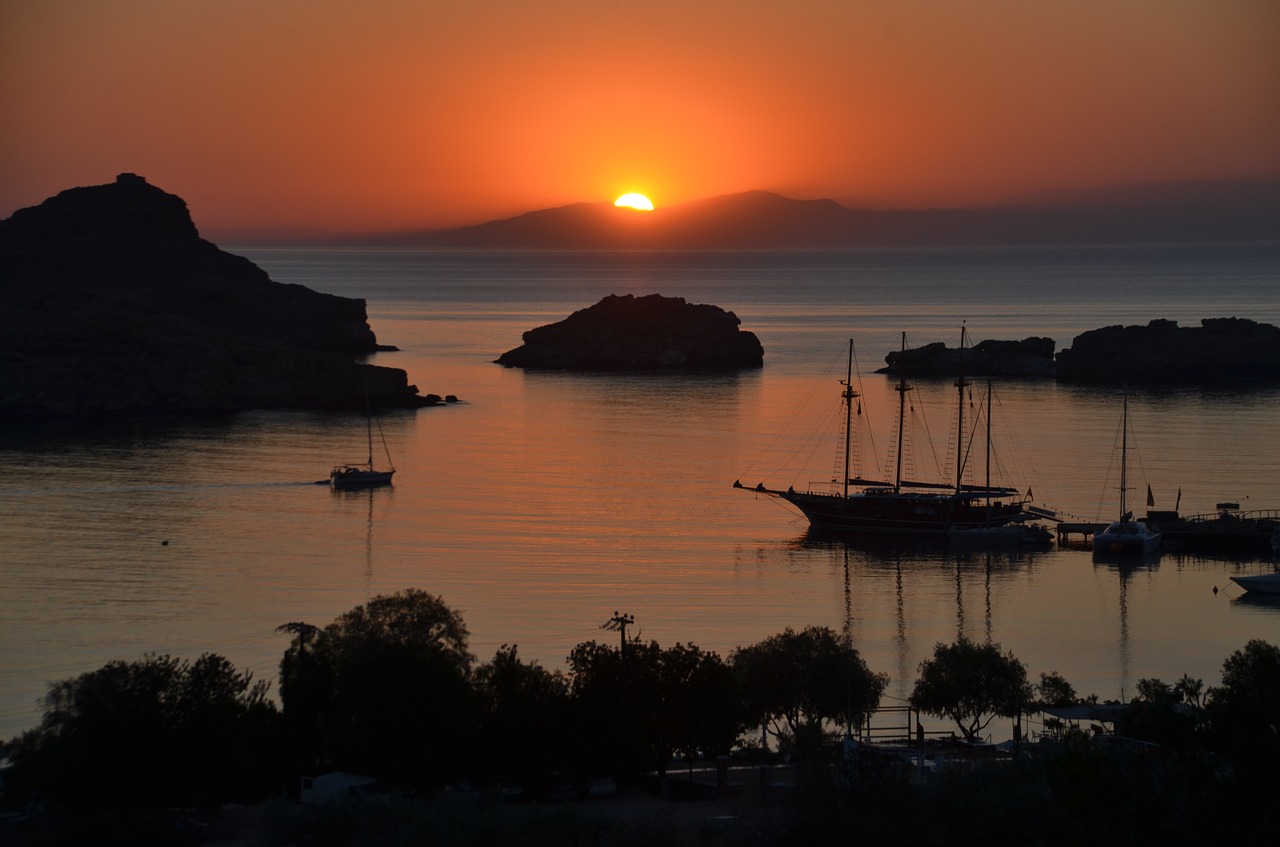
960,386
849,394
988,446
902,390
1124,455
368,425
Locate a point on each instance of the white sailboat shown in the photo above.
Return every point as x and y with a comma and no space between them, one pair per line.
1126,536
364,475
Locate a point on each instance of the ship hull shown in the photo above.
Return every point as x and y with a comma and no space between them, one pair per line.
899,513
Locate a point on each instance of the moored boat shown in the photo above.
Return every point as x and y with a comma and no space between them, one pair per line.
903,507
1229,528
1126,536
1267,583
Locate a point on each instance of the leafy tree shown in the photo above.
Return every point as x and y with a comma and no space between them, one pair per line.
616,706
524,720
1248,701
1159,715
972,684
1244,712
702,704
386,688
149,734
1156,691
636,707
1190,691
1054,690
795,682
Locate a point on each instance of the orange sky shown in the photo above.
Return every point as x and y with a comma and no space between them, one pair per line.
390,114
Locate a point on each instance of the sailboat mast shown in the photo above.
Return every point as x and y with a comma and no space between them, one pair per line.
849,394
960,386
902,421
368,425
988,446
1124,456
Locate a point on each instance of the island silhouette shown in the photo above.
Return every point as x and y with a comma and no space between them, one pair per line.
1246,210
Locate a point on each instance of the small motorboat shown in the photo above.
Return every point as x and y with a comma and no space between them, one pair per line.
1266,583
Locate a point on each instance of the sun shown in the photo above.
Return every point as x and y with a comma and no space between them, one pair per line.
635,201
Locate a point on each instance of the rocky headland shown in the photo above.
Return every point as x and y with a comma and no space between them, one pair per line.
640,333
112,303
1220,349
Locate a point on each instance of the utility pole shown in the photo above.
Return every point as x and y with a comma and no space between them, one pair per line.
619,623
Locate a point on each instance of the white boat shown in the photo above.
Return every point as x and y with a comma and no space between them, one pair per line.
1126,536
1266,583
364,475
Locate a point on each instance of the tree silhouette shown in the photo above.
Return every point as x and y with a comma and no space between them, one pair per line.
151,733
971,684
1244,712
524,721
635,708
795,682
1054,690
387,687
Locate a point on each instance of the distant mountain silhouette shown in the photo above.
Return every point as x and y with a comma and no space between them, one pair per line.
1242,210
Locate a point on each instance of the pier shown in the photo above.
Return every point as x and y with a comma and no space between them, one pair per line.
1086,530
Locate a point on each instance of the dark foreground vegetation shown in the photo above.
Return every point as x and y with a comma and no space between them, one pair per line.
507,752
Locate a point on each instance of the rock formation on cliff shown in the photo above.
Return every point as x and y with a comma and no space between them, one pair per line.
110,302
634,333
1029,357
1219,349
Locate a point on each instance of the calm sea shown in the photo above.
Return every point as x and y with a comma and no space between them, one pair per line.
545,502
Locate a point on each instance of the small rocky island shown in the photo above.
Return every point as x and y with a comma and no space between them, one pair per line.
1231,349
1029,357
112,303
640,333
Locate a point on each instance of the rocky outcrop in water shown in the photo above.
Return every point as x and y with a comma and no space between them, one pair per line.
110,302
639,333
1029,357
1219,349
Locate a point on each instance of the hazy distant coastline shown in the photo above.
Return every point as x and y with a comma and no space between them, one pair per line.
1245,210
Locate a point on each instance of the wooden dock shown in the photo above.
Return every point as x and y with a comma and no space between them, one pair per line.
1084,529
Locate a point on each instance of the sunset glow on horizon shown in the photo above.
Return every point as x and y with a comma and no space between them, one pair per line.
402,114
